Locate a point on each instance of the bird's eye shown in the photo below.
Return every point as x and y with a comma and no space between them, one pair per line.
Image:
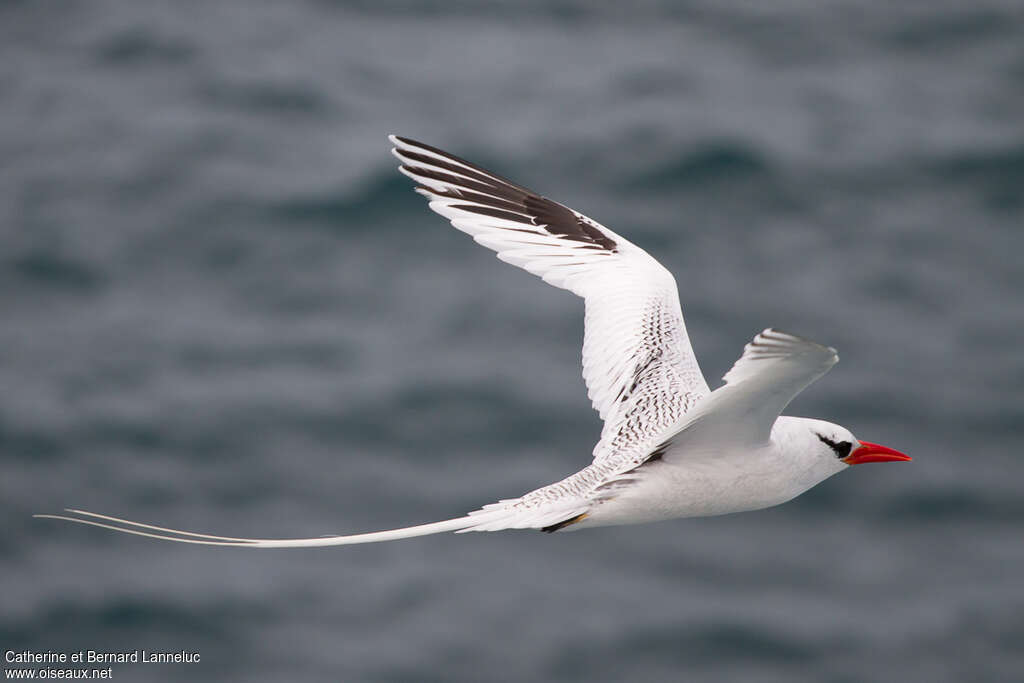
841,448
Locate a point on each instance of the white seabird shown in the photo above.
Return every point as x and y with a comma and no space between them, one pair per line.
670,447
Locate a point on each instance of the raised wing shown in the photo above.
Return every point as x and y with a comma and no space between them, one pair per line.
636,353
774,368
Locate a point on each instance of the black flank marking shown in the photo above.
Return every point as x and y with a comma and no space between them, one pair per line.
656,455
561,525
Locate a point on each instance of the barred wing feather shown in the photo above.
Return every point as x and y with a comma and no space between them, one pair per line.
636,351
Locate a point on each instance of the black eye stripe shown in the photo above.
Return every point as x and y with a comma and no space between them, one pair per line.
841,448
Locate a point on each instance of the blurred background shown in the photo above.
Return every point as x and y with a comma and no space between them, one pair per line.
223,309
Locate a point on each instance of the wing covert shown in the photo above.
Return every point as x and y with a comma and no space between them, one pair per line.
635,347
774,368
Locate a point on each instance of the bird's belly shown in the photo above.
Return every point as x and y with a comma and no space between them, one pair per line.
667,491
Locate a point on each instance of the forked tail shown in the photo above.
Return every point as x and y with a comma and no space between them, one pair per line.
125,526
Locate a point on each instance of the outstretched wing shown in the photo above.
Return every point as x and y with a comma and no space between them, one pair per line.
774,368
636,353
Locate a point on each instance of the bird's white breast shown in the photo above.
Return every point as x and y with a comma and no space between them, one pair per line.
716,482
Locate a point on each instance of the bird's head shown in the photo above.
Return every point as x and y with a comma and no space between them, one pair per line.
838,443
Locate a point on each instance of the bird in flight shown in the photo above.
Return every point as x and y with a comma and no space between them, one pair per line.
670,447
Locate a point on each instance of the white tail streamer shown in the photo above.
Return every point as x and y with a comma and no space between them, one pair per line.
178,536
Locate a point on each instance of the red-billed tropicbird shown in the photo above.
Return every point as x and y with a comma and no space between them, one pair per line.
670,447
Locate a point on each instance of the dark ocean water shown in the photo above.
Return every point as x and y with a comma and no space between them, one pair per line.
222,308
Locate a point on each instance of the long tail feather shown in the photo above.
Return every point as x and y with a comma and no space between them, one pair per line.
164,534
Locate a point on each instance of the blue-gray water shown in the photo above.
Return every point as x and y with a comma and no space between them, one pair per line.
222,308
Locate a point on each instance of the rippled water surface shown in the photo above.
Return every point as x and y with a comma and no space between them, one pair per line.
222,308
